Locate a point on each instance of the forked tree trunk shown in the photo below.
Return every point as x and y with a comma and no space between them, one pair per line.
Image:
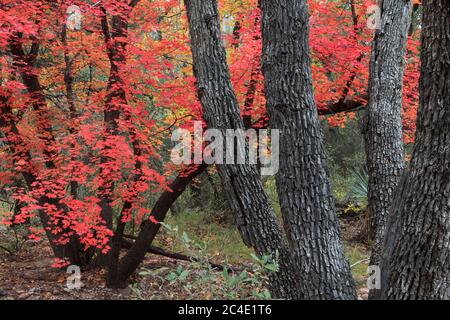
418,241
116,40
303,183
242,183
383,123
148,230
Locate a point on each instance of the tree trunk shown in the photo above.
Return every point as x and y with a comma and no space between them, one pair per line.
419,243
19,150
71,101
116,43
72,250
303,183
149,229
382,127
242,183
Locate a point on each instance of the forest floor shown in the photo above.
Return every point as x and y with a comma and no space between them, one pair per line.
28,275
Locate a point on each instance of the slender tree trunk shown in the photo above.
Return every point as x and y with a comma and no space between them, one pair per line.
24,64
303,184
418,241
116,43
71,98
116,40
149,229
382,127
242,183
20,151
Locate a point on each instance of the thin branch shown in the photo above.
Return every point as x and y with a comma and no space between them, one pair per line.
6,249
6,201
126,244
34,51
133,3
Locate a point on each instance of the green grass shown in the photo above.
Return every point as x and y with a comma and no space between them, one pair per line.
224,243
357,256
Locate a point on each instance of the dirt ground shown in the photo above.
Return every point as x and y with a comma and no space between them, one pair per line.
28,275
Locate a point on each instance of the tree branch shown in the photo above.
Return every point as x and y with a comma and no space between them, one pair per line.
127,244
347,105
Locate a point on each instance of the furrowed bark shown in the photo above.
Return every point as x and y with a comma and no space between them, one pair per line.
303,184
382,126
242,183
418,266
149,230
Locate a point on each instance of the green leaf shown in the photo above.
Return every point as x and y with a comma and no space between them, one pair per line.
184,275
172,277
271,267
225,272
186,238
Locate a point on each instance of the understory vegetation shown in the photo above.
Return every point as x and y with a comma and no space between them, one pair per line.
206,234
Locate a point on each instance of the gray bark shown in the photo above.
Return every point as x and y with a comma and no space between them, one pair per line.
242,183
383,123
303,183
418,267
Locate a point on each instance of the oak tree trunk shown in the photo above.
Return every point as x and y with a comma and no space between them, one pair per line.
417,260
303,184
382,127
242,183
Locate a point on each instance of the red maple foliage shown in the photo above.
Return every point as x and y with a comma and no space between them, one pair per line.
86,115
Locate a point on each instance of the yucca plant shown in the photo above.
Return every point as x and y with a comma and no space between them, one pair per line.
359,189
